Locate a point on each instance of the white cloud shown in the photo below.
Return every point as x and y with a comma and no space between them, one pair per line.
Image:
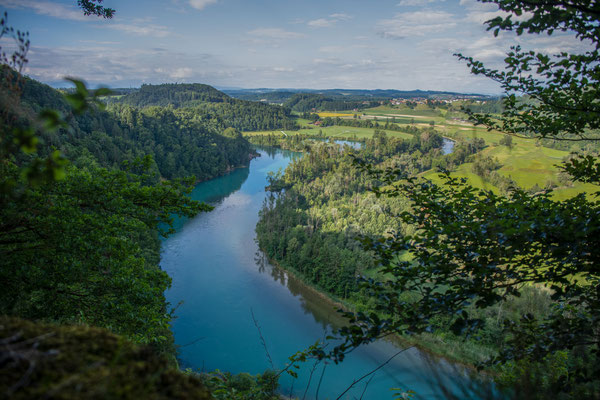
48,8
321,23
341,16
98,42
201,4
115,66
330,21
275,33
415,2
418,23
182,73
328,61
332,49
481,12
141,29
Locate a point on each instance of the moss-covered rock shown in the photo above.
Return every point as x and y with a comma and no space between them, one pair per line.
43,361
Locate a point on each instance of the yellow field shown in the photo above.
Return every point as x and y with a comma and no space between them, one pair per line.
333,115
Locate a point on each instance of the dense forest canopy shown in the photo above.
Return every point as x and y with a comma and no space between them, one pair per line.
303,102
182,143
175,94
280,96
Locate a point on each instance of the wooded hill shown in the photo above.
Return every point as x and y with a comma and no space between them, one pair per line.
182,142
211,106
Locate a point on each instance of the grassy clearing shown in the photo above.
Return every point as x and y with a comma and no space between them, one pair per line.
463,171
526,163
404,115
419,111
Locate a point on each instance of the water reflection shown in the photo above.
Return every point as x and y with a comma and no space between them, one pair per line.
324,311
448,146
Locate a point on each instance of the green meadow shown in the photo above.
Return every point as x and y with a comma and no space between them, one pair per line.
526,162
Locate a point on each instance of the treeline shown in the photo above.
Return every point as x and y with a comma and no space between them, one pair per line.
244,116
298,142
303,102
491,106
182,142
295,142
174,94
368,123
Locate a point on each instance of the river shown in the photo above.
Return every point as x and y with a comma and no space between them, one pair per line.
223,280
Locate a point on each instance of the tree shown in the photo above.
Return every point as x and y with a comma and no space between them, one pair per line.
564,88
507,141
473,249
94,7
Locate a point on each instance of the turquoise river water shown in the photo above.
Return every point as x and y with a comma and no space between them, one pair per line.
223,279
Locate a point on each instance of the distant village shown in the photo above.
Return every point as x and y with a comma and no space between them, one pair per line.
426,100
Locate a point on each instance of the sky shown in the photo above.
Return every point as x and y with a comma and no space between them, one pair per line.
317,44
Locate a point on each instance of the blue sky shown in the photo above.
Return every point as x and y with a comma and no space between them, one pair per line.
385,44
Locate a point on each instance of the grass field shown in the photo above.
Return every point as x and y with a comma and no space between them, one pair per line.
342,132
419,111
527,163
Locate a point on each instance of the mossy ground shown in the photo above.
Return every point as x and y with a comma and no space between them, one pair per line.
45,361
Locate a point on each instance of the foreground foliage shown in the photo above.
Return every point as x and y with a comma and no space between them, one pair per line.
475,250
86,249
80,243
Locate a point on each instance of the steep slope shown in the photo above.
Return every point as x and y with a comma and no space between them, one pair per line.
181,143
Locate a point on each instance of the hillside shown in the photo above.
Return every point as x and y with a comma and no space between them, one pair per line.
211,106
181,143
175,94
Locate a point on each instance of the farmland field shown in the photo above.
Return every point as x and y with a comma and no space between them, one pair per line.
527,163
334,114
